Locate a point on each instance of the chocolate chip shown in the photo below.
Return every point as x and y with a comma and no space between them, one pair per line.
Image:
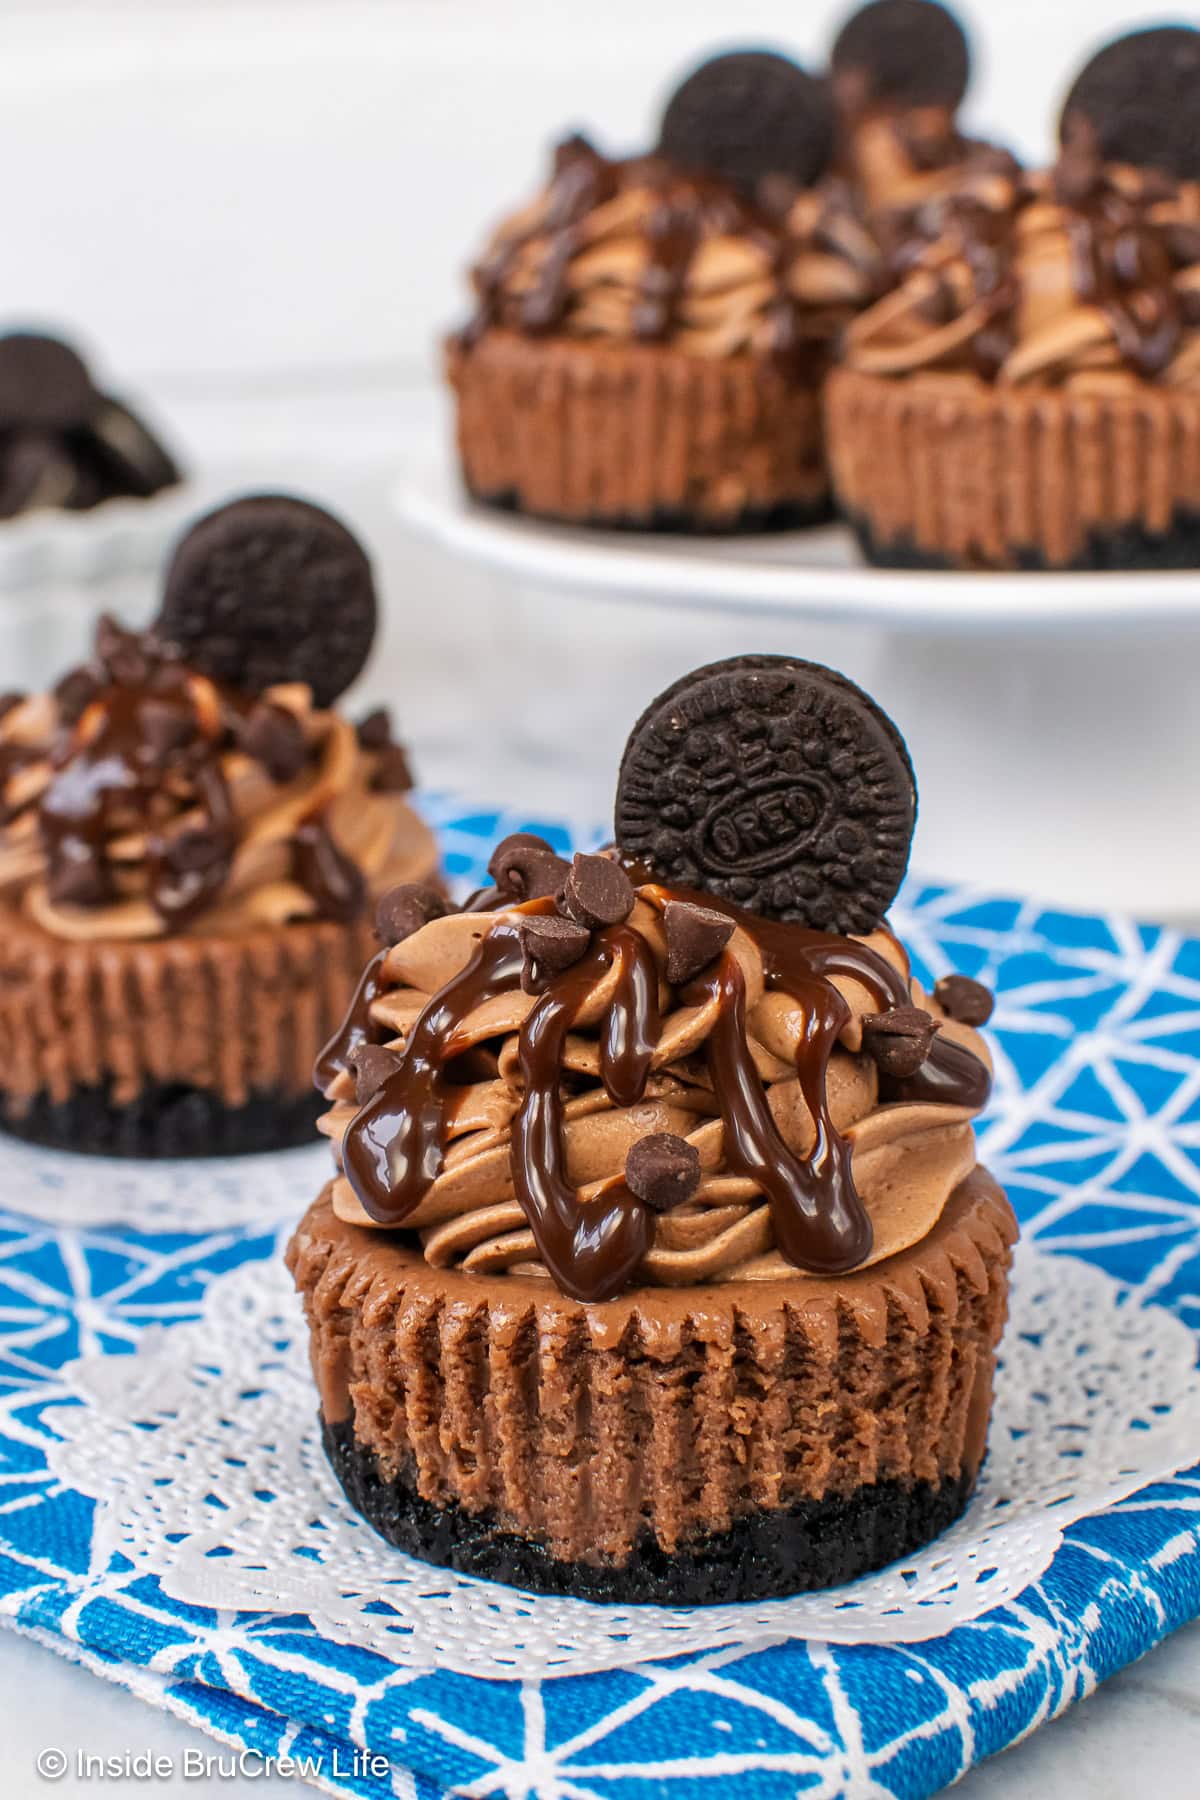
374,731
371,1066
898,1040
902,53
75,693
1138,96
595,892
333,880
44,384
525,867
274,737
749,115
663,1170
190,869
695,934
166,727
391,774
404,909
270,590
965,1001
123,654
775,784
8,702
550,945
76,876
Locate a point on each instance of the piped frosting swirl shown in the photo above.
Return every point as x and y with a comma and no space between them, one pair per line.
489,1103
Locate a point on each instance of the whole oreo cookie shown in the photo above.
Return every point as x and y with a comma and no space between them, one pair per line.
776,784
44,384
747,115
1139,100
271,589
901,53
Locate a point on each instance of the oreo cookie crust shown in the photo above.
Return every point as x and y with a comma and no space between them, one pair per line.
747,115
765,1554
271,590
166,1119
1139,99
775,784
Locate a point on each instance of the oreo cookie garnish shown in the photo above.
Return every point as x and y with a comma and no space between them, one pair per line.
271,589
133,459
44,385
1138,101
748,115
901,53
662,1170
773,783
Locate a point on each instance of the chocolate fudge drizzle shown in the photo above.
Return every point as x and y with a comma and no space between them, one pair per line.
393,1149
148,732
686,207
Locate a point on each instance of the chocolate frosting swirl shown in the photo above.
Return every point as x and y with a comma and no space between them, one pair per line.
140,799
641,251
1087,275
500,1126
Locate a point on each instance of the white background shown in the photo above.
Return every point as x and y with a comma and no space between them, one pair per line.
257,213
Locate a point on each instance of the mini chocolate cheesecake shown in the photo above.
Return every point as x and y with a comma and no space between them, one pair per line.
64,443
192,841
657,1263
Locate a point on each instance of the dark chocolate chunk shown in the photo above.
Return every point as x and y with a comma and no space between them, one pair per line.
128,453
749,115
404,909
525,867
663,1170
1138,101
371,1066
269,590
898,1041
775,784
332,879
596,891
166,726
75,693
374,730
76,876
391,774
901,53
695,934
190,869
121,653
965,1001
275,738
44,384
550,945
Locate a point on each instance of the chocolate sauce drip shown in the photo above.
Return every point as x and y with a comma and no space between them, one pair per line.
355,1029
394,1147
146,750
687,207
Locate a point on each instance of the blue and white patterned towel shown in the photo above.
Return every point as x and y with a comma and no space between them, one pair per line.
1095,1129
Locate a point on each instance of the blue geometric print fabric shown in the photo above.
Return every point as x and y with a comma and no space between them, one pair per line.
1095,1132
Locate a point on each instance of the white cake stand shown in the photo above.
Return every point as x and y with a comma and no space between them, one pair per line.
1054,720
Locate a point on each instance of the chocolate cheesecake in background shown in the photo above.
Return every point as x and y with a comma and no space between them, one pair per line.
657,1262
1029,395
650,333
63,443
192,842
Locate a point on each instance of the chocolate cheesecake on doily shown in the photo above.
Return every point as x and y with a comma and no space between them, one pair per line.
63,443
658,1263
1029,395
650,334
192,840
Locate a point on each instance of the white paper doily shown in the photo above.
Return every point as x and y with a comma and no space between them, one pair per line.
203,1454
164,1194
